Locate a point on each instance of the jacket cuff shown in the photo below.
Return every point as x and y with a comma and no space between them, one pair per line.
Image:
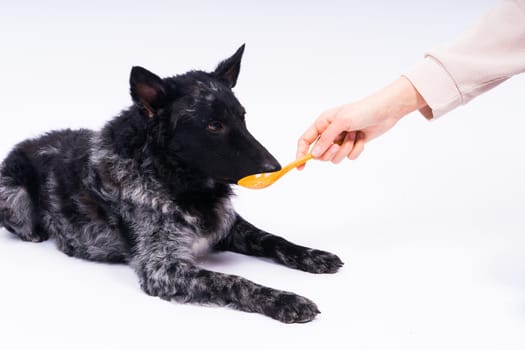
436,86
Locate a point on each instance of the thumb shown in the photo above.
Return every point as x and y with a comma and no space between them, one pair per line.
327,139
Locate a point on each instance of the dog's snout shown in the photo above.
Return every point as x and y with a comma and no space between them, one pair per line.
270,166
253,157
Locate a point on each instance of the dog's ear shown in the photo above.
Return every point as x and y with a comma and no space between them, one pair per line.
228,70
146,89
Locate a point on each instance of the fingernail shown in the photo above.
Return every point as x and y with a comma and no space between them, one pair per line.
316,152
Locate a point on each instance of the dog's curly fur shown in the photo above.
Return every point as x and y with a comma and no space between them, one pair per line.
152,189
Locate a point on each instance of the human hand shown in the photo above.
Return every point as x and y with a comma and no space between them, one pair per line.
343,131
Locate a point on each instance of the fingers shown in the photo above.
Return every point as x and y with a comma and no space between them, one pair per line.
304,143
326,140
313,132
327,129
346,147
340,138
359,146
309,136
330,152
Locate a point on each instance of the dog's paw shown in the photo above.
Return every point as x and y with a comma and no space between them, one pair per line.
311,260
290,308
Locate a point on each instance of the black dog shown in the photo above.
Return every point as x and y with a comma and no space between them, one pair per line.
152,189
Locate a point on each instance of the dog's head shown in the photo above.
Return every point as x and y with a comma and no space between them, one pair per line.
199,122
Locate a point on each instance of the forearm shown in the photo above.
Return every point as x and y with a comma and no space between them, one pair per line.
396,100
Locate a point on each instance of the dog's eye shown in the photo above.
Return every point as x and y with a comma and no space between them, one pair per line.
215,126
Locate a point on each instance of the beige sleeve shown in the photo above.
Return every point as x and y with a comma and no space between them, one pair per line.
482,58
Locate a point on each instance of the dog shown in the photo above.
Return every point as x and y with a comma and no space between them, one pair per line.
152,189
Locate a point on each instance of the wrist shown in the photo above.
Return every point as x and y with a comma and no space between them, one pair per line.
401,98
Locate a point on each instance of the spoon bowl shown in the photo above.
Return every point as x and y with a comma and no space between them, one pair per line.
264,180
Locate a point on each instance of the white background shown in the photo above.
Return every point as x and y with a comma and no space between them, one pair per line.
429,221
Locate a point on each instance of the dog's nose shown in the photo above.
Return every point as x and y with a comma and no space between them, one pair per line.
269,167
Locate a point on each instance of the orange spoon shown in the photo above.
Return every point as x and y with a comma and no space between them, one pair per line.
264,180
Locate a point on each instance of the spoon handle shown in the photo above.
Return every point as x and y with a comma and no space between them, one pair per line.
298,162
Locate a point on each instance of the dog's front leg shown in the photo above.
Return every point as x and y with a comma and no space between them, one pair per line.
247,239
182,281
